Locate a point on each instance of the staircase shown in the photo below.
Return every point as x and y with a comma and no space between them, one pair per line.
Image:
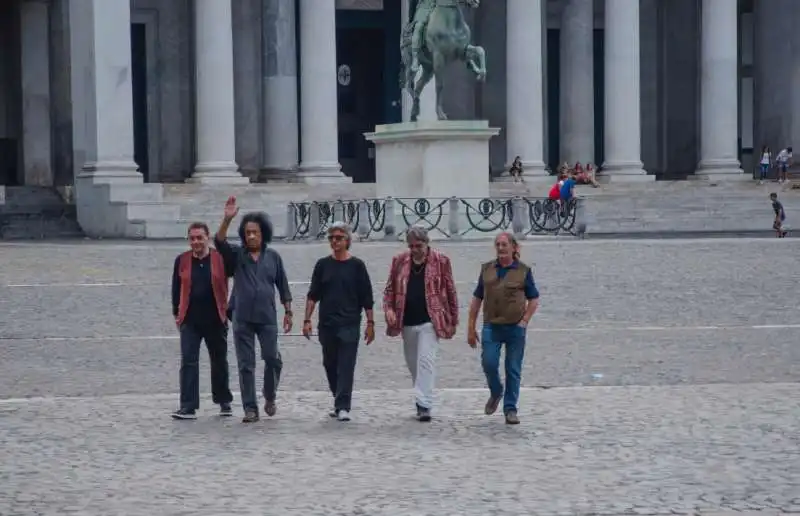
157,211
36,213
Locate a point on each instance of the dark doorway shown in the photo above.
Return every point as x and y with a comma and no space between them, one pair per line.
360,60
139,85
8,162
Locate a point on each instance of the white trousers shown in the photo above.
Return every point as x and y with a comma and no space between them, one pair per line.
420,346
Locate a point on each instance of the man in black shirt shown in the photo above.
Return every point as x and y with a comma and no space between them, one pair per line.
341,285
199,305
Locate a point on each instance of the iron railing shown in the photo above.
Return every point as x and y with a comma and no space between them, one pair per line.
452,218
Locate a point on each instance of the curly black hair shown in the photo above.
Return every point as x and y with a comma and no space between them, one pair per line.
260,218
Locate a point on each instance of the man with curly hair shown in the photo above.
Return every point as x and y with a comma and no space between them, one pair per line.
257,273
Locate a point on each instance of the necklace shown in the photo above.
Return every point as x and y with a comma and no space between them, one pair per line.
417,268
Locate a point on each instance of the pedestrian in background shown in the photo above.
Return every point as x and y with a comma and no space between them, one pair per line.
784,161
510,298
420,303
764,164
340,284
257,273
779,224
200,305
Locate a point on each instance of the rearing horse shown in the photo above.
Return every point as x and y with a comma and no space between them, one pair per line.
447,39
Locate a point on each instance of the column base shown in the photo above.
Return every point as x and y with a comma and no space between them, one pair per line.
623,172
104,172
720,169
321,173
218,173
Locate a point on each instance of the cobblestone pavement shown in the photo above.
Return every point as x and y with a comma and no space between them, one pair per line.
661,377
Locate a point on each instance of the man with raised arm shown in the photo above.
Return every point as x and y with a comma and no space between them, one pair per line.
257,273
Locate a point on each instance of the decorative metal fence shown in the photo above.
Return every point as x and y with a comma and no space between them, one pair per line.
452,218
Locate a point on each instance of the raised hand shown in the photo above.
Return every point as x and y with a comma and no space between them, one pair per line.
231,210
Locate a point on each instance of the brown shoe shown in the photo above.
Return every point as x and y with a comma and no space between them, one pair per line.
511,417
270,408
250,416
491,405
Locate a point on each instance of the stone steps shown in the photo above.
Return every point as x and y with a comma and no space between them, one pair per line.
164,211
34,213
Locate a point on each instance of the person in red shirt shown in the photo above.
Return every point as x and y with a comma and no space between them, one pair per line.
555,192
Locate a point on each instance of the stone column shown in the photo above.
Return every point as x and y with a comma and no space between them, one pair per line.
281,126
35,77
622,95
215,110
102,100
719,91
427,101
318,93
577,82
525,85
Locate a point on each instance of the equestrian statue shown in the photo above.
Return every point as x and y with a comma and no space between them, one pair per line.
436,36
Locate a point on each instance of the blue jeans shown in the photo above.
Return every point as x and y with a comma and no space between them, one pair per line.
764,170
493,336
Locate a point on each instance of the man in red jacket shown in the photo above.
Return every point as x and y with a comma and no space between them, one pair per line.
420,303
200,305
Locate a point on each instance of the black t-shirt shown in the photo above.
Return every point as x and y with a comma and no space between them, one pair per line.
202,304
343,289
416,309
777,207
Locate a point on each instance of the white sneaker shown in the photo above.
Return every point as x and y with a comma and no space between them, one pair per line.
344,415
333,413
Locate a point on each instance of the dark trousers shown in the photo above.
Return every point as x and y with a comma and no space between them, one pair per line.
244,339
339,353
216,338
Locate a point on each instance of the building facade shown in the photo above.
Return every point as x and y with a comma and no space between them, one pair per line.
285,89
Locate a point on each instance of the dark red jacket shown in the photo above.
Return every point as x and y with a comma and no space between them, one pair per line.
219,284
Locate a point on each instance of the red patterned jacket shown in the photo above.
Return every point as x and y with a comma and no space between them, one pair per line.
440,293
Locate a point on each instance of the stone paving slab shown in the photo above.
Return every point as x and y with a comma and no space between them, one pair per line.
620,357
632,450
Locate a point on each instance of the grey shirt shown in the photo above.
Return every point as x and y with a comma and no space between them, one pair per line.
255,283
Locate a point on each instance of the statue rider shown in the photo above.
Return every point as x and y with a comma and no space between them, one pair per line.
421,15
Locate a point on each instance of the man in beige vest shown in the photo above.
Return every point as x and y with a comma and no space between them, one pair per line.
510,298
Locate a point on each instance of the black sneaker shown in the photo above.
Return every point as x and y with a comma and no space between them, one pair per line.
184,414
423,414
225,410
250,416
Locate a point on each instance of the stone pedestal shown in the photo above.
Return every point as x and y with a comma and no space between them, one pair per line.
433,159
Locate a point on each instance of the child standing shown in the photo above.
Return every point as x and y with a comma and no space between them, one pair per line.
779,225
784,161
766,160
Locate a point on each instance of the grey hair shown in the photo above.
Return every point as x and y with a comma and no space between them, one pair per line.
344,227
417,234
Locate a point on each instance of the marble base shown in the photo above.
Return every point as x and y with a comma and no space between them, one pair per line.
321,173
623,172
434,159
218,173
720,170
